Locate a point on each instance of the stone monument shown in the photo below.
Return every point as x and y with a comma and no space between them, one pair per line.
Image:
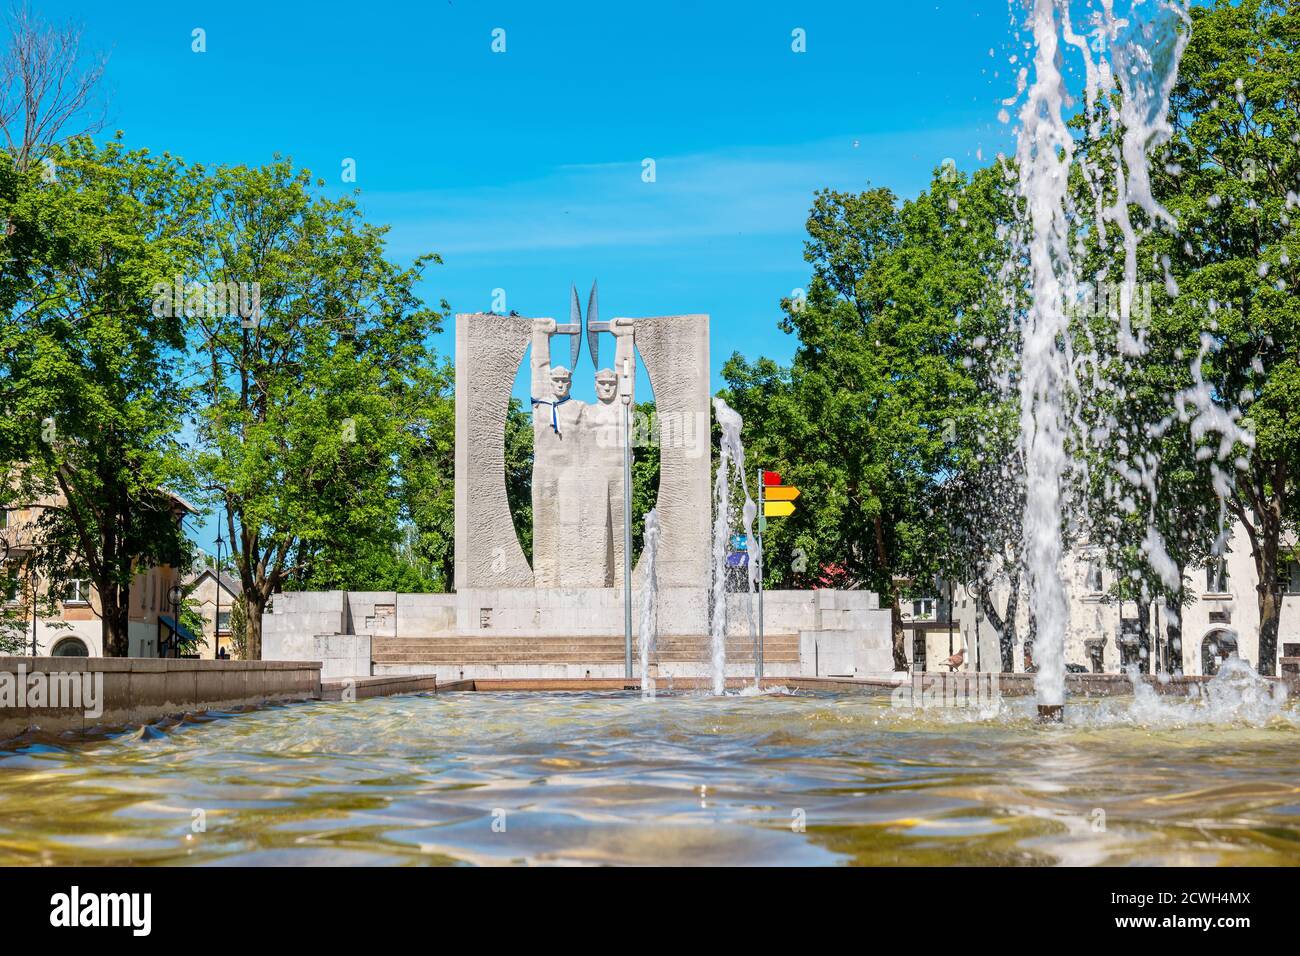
563,615
578,460
578,451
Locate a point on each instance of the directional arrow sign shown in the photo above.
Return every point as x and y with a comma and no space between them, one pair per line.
780,493
771,478
778,509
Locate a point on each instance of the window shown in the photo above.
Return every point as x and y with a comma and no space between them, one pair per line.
1096,581
4,518
11,584
70,647
77,591
923,609
1216,576
223,622
1289,575
1217,647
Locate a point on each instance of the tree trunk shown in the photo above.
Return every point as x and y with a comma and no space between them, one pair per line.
1004,624
900,638
1030,638
1174,632
1144,635
114,620
1270,612
1269,591
254,605
896,612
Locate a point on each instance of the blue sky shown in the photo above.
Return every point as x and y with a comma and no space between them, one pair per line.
523,169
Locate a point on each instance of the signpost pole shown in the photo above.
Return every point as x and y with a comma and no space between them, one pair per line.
762,522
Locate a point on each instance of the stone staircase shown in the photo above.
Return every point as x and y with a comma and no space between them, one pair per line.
591,649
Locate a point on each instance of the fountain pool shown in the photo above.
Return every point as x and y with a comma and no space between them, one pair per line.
598,778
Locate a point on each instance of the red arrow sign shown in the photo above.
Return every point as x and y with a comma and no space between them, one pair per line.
771,478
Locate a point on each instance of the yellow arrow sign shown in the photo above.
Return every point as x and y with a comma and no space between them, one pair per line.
778,509
780,493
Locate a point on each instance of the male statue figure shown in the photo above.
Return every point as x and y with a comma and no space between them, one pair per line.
562,555
605,466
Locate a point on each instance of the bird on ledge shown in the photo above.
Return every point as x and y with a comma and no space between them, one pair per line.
956,661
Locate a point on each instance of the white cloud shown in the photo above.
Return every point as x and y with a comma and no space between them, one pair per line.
757,191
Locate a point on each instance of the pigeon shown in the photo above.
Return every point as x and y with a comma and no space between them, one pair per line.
956,661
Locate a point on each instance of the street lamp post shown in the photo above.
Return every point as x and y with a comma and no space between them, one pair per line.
31,594
175,595
216,620
627,518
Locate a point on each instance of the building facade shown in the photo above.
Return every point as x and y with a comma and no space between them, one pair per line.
214,597
75,628
1103,637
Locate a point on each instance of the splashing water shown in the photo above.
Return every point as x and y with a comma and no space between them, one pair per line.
731,468
1235,695
1135,56
649,619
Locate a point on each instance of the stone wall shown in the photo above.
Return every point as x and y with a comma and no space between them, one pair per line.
489,350
134,690
840,633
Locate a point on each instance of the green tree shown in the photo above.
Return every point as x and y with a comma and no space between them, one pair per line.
239,629
869,420
90,371
429,483
313,402
1231,177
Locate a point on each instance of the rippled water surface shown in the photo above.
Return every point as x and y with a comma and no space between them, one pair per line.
592,778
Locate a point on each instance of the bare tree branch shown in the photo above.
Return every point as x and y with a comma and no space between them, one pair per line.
46,86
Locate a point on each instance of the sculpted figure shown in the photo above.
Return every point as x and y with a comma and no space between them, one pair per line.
578,461
605,420
561,558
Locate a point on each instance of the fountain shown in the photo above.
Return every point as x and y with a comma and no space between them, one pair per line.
1137,56
731,467
649,618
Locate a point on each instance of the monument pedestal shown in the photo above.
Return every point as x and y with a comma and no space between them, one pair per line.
571,633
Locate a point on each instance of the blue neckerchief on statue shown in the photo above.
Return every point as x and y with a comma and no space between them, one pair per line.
555,419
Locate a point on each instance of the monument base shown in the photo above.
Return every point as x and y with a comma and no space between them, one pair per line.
572,633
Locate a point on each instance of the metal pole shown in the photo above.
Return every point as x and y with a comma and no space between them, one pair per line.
758,665
627,524
216,618
950,647
31,587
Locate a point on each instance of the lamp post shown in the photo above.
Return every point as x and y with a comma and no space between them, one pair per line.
626,389
174,597
760,663
216,620
4,564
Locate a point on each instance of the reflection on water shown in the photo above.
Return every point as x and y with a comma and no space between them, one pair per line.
611,778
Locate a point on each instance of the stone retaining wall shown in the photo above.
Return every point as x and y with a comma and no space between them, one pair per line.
138,690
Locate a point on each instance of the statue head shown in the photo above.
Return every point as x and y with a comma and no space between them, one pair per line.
561,381
606,385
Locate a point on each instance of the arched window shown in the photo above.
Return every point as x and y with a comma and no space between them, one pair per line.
1217,647
70,647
